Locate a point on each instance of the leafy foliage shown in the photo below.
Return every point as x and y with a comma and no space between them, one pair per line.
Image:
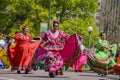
74,15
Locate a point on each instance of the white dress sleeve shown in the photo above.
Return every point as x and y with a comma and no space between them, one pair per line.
82,47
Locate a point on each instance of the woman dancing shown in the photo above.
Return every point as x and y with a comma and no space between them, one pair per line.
21,55
103,59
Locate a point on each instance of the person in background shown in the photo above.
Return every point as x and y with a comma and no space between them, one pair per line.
7,38
2,43
117,66
118,51
21,55
102,60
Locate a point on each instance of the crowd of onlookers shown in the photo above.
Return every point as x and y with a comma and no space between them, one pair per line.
4,61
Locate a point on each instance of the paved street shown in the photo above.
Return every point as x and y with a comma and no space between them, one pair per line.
41,75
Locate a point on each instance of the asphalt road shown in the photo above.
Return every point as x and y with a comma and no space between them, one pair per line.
6,74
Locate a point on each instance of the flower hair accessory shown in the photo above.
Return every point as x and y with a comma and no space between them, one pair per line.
56,21
24,26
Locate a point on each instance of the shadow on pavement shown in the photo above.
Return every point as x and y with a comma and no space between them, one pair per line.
110,79
46,76
9,72
90,75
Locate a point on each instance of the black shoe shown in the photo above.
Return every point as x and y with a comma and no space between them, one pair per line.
18,72
51,75
76,71
98,73
35,67
26,71
103,75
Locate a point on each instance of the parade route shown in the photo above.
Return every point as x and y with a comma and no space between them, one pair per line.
41,75
4,78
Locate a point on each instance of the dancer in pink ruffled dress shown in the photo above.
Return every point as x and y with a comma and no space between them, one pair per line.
58,43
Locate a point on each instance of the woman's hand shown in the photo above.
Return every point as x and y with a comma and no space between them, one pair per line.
107,48
11,41
111,45
33,41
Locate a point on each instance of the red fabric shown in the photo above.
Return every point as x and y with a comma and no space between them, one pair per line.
22,54
117,69
117,66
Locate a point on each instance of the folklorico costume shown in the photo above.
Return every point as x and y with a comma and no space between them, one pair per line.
60,47
4,58
117,66
21,55
102,61
2,43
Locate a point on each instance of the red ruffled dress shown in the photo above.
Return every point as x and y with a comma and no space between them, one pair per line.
117,66
21,55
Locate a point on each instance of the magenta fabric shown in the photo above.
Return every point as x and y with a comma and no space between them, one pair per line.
69,53
54,40
71,50
82,59
56,64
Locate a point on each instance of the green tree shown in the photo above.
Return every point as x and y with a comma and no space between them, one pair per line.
74,15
